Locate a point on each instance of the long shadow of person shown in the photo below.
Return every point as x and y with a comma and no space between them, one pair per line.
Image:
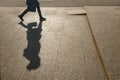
33,48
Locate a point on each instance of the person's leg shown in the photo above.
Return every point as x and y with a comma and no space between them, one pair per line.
40,14
24,12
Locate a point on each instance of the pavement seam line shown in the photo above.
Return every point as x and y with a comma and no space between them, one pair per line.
0,74
98,50
56,58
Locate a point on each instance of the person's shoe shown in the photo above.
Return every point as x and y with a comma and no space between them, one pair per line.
42,19
21,17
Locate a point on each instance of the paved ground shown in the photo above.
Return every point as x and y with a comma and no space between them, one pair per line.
63,3
105,23
65,47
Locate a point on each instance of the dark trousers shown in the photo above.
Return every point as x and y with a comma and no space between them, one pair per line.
27,10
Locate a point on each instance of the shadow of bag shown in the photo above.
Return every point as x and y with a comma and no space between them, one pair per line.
32,8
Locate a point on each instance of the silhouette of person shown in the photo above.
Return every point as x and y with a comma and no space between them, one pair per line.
33,48
31,6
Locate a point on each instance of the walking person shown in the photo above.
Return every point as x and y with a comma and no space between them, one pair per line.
31,6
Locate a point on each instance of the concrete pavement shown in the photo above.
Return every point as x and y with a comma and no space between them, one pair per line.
62,3
105,24
63,52
61,48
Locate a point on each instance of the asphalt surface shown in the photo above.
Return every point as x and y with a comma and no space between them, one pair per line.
62,3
